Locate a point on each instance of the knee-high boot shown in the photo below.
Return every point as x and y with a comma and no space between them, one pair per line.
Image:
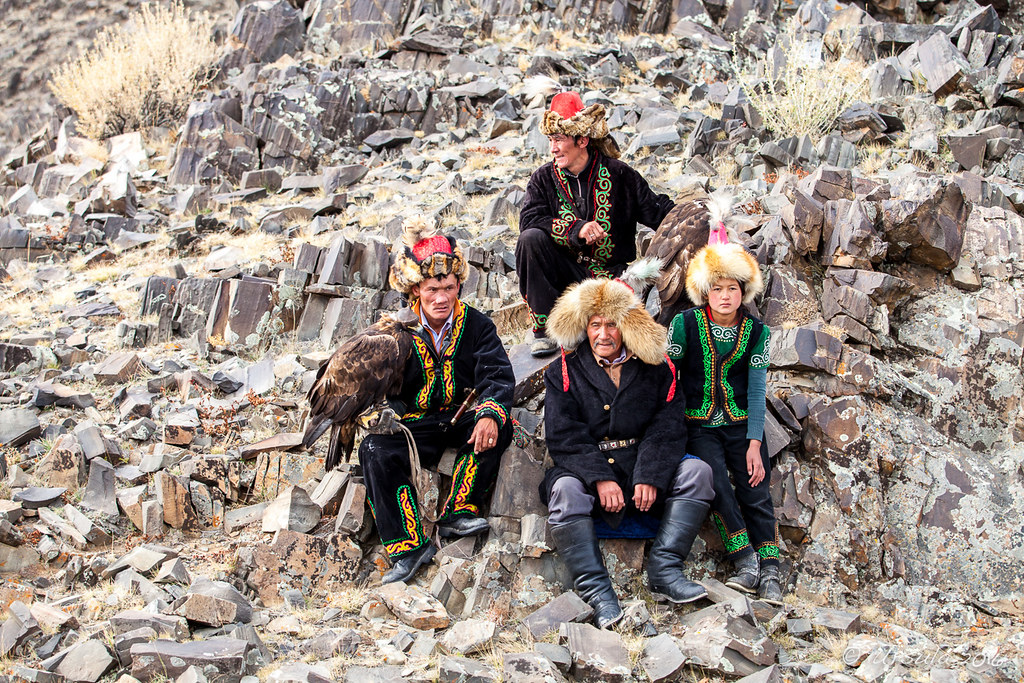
679,526
577,546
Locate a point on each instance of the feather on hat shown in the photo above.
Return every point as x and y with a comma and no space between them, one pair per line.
426,254
615,300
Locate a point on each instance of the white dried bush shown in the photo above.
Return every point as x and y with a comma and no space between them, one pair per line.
144,73
798,89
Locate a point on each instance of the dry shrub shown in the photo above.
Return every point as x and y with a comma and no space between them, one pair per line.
142,74
805,90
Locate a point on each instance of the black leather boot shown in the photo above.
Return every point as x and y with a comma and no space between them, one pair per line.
576,543
748,573
770,588
405,568
679,526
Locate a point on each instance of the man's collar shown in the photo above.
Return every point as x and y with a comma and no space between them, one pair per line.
623,356
423,320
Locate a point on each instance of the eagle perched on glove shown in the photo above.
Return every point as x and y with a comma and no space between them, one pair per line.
369,366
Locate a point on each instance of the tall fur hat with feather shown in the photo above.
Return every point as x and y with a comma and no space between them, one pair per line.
722,259
426,254
617,301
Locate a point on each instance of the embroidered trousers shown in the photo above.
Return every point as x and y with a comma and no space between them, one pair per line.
744,514
570,498
545,270
385,462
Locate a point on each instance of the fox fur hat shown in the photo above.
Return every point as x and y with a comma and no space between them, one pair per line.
723,260
615,300
426,254
568,116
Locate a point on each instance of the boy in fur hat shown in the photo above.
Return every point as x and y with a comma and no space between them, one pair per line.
456,349
580,213
722,353
617,436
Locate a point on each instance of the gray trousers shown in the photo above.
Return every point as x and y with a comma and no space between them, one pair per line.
569,498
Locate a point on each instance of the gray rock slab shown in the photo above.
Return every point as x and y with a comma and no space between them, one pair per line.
529,372
166,626
214,603
86,661
220,658
144,559
18,426
662,659
468,636
36,497
18,628
556,654
567,607
301,673
100,491
530,667
461,670
597,655
293,510
378,674
837,621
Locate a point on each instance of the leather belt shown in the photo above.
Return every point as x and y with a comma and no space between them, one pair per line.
614,445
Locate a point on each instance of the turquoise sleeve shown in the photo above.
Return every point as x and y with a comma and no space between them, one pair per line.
757,383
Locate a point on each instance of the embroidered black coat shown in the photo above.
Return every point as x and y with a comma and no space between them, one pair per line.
647,406
433,387
615,196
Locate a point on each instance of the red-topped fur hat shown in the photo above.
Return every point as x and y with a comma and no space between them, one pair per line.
426,254
568,116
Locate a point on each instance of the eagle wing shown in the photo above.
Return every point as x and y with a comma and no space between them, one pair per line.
681,234
359,375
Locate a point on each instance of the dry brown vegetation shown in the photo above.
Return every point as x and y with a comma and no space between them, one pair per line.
139,75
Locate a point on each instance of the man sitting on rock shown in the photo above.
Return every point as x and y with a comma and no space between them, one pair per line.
580,213
457,349
615,426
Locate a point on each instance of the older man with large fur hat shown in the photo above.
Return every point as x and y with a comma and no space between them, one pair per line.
580,213
614,420
455,349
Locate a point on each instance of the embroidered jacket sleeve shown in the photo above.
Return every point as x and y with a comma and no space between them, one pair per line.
567,432
493,374
757,381
664,441
677,338
541,209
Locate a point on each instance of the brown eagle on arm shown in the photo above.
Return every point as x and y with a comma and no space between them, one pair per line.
358,376
684,231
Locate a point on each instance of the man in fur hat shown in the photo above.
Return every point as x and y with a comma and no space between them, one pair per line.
617,435
581,210
455,350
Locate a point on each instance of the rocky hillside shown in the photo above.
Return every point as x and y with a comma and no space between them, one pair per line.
166,296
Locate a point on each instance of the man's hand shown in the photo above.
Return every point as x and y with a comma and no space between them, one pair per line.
485,434
610,494
643,496
591,232
755,468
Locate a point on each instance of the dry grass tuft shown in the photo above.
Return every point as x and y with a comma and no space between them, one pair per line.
144,74
805,93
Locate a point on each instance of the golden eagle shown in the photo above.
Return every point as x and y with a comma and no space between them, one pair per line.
359,375
683,232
